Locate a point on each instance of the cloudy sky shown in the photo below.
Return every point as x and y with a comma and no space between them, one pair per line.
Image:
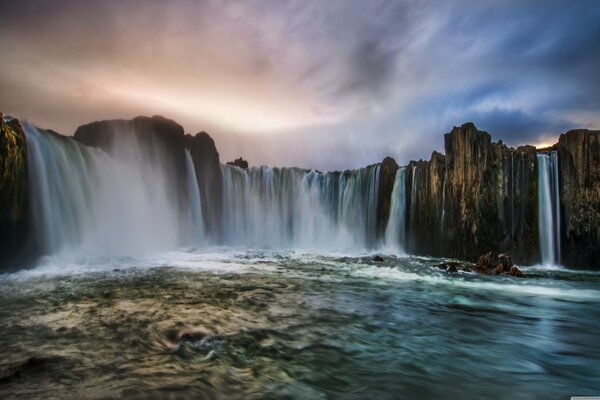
324,84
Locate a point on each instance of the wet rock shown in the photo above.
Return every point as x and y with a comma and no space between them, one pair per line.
481,269
516,272
453,266
13,191
501,264
387,177
498,270
378,258
505,260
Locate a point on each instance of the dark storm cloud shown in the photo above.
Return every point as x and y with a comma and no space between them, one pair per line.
328,83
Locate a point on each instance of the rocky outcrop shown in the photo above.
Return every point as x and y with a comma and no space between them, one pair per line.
210,179
13,190
479,196
239,162
163,142
579,177
160,140
387,176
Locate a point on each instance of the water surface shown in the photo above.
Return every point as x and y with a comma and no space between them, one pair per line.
235,323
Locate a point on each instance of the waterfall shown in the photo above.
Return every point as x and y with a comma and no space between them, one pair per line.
395,232
86,201
194,201
59,187
290,207
548,208
443,217
413,193
512,195
123,202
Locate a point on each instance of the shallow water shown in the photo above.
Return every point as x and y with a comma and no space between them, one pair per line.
234,323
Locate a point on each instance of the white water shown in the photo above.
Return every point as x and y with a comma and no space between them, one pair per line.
290,207
195,202
86,201
548,208
395,232
413,193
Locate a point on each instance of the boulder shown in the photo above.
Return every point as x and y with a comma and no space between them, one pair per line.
516,272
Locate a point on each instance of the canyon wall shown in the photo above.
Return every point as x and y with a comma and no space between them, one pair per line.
13,191
579,165
163,141
479,196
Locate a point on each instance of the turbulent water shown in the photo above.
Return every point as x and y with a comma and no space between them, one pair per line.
232,323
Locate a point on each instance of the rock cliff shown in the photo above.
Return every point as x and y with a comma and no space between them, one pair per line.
479,196
579,177
163,141
13,190
210,180
482,196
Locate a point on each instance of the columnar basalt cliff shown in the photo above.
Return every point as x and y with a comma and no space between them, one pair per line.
210,180
579,165
479,196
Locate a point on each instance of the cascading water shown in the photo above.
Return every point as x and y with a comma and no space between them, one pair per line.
86,201
59,171
413,193
290,207
395,232
195,202
548,208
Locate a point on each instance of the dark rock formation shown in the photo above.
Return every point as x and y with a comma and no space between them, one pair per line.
479,195
210,179
501,264
579,177
387,176
163,142
239,162
378,258
483,195
160,140
13,190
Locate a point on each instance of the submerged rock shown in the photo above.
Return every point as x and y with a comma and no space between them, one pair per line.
451,269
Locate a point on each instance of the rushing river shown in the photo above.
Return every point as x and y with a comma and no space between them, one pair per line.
230,323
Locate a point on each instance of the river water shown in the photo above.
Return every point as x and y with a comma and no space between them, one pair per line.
237,323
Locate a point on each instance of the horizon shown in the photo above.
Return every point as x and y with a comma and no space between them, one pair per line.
538,146
329,86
